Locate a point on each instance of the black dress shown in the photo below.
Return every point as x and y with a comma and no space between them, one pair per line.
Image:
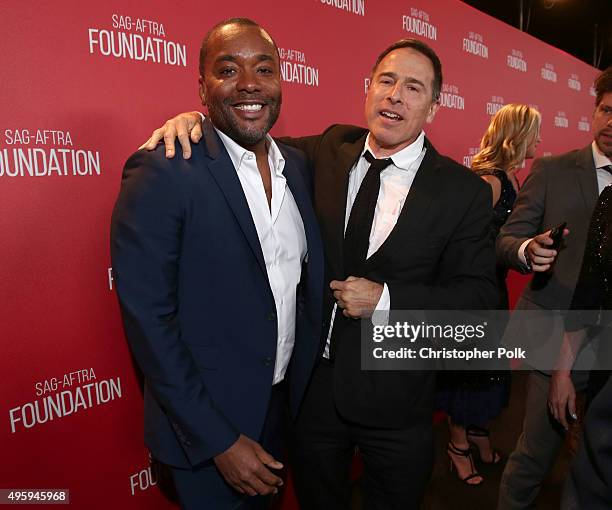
501,212
475,398
592,300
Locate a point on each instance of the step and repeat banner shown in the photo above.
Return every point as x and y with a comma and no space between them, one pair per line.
83,85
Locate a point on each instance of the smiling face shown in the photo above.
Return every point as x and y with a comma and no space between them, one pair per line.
602,124
240,85
399,100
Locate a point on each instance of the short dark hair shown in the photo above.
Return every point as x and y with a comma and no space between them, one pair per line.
603,84
245,22
424,49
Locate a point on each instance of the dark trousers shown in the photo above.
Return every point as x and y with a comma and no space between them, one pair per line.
536,449
397,463
203,487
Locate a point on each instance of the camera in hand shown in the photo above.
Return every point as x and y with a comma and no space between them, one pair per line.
556,234
540,280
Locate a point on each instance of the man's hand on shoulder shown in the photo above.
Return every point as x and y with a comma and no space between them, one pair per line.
186,126
539,251
243,465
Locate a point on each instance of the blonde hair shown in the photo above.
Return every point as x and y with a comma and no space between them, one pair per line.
511,131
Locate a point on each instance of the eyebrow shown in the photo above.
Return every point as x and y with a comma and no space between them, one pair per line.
263,57
408,80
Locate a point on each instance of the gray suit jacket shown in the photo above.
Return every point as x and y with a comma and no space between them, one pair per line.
559,188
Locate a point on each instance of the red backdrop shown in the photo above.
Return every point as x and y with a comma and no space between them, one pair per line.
84,84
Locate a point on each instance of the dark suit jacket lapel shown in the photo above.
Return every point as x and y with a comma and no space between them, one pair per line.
302,198
223,171
418,201
335,203
587,177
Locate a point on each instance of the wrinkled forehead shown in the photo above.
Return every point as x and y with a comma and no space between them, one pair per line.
606,100
240,40
406,61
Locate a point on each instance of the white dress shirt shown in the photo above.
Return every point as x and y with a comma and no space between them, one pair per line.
604,178
395,183
281,235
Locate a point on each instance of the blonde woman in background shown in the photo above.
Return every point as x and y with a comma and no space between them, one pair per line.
472,400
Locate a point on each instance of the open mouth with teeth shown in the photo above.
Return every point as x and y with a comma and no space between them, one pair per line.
249,107
390,115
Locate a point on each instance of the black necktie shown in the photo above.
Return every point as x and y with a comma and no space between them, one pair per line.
357,234
359,226
607,168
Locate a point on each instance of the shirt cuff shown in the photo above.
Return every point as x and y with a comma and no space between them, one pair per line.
380,316
523,256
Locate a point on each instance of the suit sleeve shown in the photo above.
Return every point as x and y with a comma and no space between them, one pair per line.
146,238
309,145
525,221
466,270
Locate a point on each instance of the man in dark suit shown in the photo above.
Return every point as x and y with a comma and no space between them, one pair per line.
219,270
403,228
590,482
558,189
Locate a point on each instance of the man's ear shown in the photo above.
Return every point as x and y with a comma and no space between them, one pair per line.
433,109
202,90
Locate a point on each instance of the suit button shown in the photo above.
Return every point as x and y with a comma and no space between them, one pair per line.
272,316
268,361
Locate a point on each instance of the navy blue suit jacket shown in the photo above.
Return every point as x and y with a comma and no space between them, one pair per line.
196,302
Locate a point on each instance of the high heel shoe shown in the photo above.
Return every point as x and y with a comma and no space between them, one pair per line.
474,431
451,450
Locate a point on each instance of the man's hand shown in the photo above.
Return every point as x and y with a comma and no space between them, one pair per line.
562,396
185,125
539,252
243,465
357,297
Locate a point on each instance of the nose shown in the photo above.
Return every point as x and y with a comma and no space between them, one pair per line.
395,95
248,81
